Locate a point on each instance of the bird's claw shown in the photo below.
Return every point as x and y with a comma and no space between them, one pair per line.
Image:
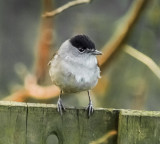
60,107
90,109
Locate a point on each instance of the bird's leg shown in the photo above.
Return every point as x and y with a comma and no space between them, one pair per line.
90,106
60,106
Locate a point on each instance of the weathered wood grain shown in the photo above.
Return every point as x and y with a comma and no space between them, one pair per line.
139,127
24,123
27,123
12,123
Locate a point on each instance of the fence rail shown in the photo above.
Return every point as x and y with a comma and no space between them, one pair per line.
28,123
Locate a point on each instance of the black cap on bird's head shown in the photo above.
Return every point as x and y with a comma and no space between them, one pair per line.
84,44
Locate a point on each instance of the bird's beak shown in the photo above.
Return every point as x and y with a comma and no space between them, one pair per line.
96,52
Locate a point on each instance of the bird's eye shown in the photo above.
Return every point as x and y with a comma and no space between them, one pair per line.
81,50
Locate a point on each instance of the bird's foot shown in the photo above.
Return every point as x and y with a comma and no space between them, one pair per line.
90,109
60,107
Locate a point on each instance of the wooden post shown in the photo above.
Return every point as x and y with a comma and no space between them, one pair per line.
28,123
139,127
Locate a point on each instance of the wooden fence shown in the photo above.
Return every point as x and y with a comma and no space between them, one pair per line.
27,123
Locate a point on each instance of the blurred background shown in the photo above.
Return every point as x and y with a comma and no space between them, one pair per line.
125,83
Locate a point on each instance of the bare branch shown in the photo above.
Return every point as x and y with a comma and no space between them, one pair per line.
144,59
113,47
19,96
104,139
33,90
64,7
44,43
41,93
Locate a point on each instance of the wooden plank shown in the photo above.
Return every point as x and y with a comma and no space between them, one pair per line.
25,123
12,123
139,127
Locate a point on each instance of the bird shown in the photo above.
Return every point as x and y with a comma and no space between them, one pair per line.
74,68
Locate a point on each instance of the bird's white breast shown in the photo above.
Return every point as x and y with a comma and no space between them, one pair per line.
74,75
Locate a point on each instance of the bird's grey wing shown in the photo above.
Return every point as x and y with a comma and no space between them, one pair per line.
53,56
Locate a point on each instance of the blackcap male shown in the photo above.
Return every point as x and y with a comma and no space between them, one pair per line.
74,68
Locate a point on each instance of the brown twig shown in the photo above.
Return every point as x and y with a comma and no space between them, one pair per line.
105,138
19,96
45,41
144,59
33,90
64,7
41,93
113,47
